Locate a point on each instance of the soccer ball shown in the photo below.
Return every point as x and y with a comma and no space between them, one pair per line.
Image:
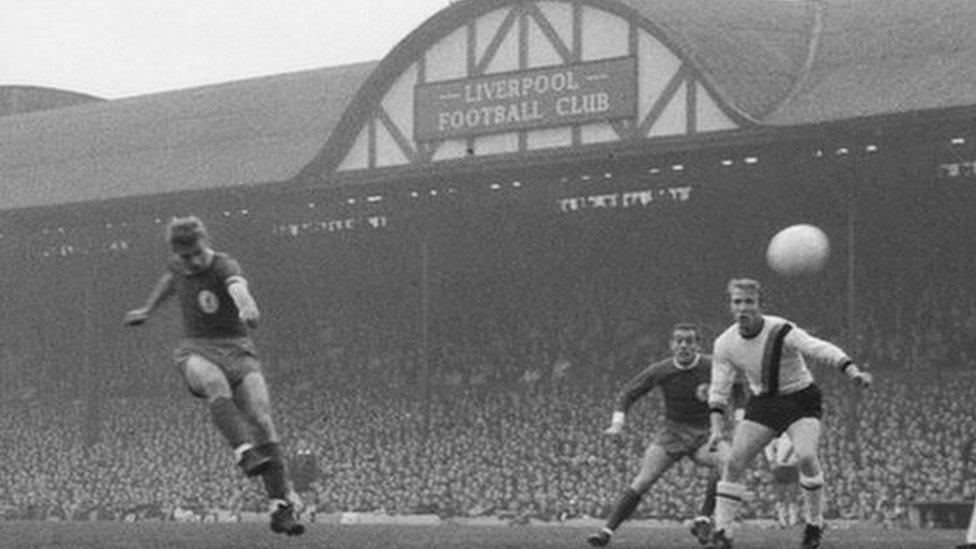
798,249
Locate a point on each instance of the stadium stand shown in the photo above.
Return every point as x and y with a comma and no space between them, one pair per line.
446,321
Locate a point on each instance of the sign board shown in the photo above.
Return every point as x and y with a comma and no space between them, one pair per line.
563,95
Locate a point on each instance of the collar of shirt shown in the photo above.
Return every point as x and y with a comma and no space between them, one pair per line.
688,366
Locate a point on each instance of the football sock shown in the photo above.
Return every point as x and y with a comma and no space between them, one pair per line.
275,476
708,506
625,507
276,503
228,420
728,497
239,451
813,497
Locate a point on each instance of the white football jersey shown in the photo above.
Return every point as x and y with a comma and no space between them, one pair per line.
772,360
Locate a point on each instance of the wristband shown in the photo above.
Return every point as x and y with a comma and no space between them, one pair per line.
850,369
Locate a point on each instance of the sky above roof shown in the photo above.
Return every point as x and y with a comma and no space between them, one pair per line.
123,48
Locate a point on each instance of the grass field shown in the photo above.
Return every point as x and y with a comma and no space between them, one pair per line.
144,535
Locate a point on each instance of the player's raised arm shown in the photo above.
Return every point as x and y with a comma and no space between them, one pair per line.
635,388
160,293
826,351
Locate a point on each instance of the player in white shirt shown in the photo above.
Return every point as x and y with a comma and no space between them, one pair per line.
784,476
769,351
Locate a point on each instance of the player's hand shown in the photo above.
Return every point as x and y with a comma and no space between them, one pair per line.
136,317
616,423
250,316
863,379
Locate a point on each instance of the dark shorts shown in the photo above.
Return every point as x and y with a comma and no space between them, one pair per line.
786,474
681,439
780,411
236,357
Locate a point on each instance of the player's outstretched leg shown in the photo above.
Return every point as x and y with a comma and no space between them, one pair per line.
625,507
284,519
728,498
701,526
813,495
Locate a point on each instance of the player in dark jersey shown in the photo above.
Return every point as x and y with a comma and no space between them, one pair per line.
684,380
218,358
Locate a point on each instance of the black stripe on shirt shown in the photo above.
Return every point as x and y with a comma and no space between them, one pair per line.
771,357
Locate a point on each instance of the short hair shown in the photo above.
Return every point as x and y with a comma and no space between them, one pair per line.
185,234
744,284
687,327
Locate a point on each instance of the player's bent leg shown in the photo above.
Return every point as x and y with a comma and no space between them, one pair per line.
805,434
253,397
750,438
654,463
701,526
206,379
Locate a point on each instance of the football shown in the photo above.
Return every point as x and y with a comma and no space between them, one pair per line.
798,249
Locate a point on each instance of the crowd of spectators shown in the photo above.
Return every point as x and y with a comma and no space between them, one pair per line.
501,413
509,425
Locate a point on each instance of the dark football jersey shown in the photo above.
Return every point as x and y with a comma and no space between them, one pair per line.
685,390
207,307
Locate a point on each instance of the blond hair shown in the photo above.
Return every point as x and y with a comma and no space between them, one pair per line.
744,284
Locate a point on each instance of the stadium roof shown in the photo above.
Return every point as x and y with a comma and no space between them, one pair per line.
786,63
21,99
780,63
254,131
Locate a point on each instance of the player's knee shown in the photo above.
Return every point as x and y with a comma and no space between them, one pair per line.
808,463
735,467
212,389
720,461
258,415
641,484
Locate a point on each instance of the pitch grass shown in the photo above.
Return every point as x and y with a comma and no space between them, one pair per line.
148,535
